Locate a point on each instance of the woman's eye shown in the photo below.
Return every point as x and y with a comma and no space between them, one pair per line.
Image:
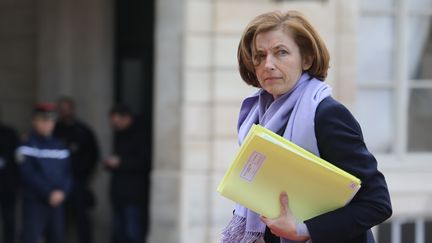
282,52
258,59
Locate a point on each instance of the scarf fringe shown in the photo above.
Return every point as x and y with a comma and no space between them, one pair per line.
252,237
234,232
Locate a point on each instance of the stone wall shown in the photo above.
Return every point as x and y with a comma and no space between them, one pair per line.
65,48
213,90
165,192
17,61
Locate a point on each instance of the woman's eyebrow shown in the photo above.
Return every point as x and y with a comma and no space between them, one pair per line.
258,51
279,46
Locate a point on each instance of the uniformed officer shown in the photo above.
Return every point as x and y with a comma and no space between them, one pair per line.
46,179
130,167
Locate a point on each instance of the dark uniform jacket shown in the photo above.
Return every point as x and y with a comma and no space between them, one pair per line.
8,167
130,181
44,167
340,141
83,147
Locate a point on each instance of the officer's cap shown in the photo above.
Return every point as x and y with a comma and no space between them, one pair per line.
45,109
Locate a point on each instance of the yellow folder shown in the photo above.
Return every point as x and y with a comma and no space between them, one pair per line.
268,164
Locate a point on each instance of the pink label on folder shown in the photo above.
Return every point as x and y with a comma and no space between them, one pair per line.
252,166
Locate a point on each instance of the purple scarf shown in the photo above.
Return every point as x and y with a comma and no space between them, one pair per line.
293,113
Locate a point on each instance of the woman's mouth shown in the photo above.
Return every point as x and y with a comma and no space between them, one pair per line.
271,79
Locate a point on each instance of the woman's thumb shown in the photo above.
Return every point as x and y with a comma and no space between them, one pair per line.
284,202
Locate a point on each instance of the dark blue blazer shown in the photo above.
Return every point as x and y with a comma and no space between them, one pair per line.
340,141
44,167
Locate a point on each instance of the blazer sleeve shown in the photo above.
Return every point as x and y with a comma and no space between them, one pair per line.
340,141
134,158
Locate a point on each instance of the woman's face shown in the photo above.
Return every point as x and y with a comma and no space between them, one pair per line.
278,62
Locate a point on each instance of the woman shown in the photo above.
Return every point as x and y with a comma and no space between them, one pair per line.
283,55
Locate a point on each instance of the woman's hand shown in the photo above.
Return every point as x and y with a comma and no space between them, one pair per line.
285,225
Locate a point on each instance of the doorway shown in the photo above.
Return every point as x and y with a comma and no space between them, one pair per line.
133,66
133,58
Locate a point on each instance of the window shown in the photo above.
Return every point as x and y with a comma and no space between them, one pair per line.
405,230
394,99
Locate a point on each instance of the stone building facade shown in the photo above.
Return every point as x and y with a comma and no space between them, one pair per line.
51,48
212,91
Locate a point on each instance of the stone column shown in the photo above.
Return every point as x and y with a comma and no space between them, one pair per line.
165,192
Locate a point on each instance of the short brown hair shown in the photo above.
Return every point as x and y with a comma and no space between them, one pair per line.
303,33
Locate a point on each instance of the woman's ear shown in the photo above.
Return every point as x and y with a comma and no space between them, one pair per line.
307,62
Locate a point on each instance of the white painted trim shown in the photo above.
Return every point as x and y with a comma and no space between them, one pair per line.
409,162
402,87
401,97
421,84
396,231
419,230
420,12
375,84
374,11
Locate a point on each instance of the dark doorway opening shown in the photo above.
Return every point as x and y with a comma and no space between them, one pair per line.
133,58
133,73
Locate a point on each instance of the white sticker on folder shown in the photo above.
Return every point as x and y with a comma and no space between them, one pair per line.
252,166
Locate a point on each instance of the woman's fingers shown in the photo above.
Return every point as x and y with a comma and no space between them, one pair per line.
265,220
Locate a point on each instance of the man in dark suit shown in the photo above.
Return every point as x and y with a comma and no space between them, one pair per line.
130,177
82,144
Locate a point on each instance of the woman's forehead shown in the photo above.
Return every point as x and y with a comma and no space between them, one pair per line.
273,39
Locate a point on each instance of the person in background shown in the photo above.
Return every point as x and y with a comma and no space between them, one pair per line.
130,177
84,154
8,181
46,179
282,55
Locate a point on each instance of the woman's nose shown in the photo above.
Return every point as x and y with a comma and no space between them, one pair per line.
269,62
